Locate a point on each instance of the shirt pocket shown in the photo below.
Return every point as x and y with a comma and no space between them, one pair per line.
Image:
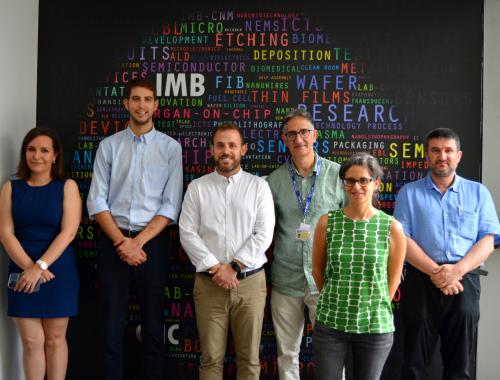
466,224
323,203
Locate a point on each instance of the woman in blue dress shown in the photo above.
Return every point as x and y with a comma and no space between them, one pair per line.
39,216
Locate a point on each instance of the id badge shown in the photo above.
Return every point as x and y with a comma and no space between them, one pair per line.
303,232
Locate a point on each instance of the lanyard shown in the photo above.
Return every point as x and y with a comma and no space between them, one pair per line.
304,208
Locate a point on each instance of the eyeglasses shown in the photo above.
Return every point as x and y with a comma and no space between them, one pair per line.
363,181
304,133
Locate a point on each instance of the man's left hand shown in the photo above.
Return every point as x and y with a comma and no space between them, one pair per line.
453,290
131,252
225,277
446,275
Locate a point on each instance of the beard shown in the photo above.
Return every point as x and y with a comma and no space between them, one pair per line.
223,167
441,172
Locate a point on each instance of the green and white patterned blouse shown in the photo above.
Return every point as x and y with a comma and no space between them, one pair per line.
355,297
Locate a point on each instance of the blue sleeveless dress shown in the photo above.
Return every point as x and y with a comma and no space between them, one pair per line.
37,214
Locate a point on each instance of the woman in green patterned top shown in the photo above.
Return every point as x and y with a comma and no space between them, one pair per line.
358,256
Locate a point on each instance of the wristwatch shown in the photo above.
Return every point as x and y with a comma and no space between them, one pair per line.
236,267
42,264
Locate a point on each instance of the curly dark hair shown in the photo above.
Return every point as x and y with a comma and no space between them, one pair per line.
366,161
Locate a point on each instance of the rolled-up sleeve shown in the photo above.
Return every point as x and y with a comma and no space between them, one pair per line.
172,194
97,200
488,219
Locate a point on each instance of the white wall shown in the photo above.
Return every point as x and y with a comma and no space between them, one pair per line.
18,47
491,91
489,328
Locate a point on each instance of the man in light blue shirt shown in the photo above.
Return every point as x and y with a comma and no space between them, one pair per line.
451,226
136,192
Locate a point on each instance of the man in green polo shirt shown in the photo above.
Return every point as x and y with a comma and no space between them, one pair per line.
303,189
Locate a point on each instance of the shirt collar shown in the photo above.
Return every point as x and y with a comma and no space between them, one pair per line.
317,163
315,166
455,186
147,137
234,178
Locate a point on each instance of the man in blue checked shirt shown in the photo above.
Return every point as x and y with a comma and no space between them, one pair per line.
451,227
136,192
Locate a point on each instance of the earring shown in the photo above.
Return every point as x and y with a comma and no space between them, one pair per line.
53,162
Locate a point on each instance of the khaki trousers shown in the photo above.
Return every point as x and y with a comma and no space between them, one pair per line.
288,321
242,309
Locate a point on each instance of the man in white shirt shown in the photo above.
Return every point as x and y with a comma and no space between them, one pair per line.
226,226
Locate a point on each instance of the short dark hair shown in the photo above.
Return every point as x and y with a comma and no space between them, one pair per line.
366,161
297,112
442,133
57,170
227,126
139,82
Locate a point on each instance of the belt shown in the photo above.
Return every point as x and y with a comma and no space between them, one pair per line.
243,275
129,233
479,271
240,276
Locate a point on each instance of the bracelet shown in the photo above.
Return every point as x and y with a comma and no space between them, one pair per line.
119,243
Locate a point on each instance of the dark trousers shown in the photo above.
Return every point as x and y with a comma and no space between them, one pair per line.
149,280
428,314
369,353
